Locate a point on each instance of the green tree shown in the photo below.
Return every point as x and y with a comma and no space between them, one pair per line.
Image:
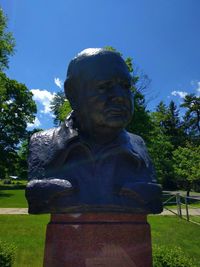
192,116
23,151
17,109
7,42
166,135
64,110
187,166
171,124
56,103
141,122
160,148
60,107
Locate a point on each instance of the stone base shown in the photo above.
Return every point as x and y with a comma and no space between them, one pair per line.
98,240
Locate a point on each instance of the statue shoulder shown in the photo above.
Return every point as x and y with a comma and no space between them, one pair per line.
138,145
136,139
38,152
55,136
42,137
44,146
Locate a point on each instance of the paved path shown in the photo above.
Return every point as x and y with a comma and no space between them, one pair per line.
193,212
13,211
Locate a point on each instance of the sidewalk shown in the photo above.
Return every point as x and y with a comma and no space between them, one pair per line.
193,212
13,211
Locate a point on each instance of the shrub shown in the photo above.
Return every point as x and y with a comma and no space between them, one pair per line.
7,181
170,257
7,254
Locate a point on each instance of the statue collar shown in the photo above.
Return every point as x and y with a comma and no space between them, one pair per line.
125,141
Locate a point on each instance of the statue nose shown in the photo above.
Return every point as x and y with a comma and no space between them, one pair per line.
117,93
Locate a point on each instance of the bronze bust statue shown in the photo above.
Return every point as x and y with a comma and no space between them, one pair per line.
91,163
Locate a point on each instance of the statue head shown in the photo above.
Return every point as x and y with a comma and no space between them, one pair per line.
98,87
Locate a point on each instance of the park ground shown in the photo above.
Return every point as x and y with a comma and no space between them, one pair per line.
27,232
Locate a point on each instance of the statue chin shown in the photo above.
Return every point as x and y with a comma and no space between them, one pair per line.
102,123
117,124
113,123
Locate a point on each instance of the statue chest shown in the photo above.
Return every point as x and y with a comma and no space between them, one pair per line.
99,176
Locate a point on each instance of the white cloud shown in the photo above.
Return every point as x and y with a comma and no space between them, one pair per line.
35,124
44,97
58,82
196,86
181,94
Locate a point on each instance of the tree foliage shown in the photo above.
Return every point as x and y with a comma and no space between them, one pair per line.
60,107
187,166
17,107
22,155
192,115
56,104
173,152
64,110
161,148
7,42
169,121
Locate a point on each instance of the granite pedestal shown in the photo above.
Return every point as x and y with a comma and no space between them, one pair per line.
98,240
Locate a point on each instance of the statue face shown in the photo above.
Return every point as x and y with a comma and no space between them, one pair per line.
104,96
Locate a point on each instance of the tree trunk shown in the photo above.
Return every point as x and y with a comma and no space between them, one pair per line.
188,192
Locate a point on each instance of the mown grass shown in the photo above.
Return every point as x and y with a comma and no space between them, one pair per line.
195,219
173,231
13,195
27,232
13,198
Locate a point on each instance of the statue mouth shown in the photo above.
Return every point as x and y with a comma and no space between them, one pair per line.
117,111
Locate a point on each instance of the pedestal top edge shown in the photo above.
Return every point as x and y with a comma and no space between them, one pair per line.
98,217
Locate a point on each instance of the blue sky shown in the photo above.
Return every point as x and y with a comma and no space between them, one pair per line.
162,37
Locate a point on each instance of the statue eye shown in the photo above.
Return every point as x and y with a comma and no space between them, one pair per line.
126,85
101,90
101,87
104,86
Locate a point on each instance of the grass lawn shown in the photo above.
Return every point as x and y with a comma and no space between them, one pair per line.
12,198
28,233
12,195
195,219
173,231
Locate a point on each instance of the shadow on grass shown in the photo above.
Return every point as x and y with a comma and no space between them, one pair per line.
2,194
11,187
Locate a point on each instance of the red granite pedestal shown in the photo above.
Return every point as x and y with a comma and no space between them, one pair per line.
98,240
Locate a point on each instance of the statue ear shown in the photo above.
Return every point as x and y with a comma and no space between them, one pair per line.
70,93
